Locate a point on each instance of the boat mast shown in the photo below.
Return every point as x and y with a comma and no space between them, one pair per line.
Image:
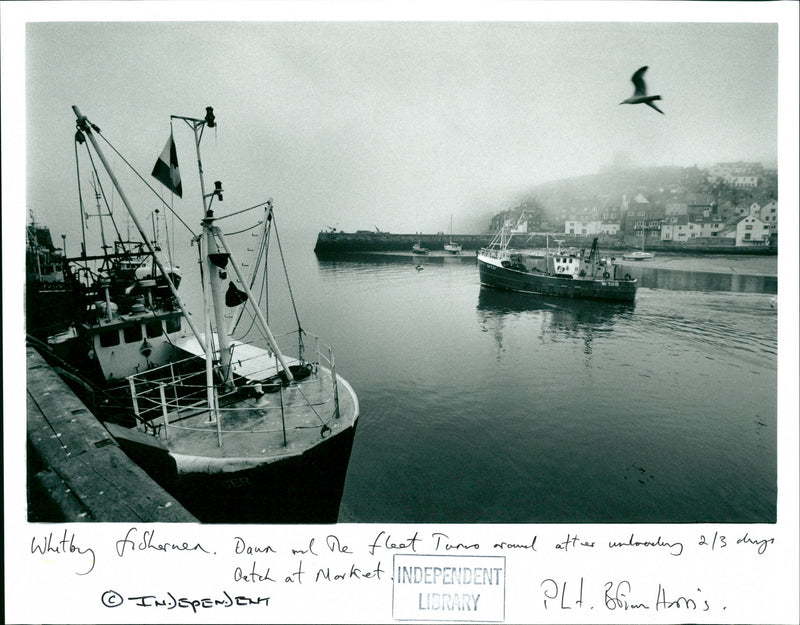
33,244
85,127
217,261
99,215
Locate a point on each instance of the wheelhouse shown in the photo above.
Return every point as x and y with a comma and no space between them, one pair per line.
129,344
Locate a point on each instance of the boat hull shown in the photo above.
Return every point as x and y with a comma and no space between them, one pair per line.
303,485
246,472
49,307
499,277
301,489
639,256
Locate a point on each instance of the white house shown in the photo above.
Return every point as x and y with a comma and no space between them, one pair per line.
742,181
676,208
736,170
746,231
609,227
681,228
754,210
769,215
675,228
705,227
583,226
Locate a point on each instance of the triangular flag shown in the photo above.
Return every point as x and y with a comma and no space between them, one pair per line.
166,169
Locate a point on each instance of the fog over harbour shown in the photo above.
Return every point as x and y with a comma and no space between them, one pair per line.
395,125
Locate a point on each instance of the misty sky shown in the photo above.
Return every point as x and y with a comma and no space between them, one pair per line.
397,125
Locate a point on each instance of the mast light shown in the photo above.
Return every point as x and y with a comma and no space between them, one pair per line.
217,192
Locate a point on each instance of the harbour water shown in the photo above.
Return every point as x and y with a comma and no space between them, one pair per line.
480,406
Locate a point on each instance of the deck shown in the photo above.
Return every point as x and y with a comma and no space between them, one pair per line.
251,429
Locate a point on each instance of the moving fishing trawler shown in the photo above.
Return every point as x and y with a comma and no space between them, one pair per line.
559,273
238,429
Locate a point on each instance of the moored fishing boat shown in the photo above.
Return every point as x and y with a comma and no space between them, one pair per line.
237,429
639,256
561,273
47,299
417,248
450,247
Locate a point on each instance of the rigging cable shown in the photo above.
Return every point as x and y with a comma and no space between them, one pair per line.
80,194
147,184
286,273
103,194
253,227
300,331
244,210
263,251
166,236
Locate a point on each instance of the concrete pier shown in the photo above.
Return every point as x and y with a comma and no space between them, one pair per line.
76,470
332,243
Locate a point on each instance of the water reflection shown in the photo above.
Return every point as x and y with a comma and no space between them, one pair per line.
480,405
678,280
558,317
583,310
649,277
334,262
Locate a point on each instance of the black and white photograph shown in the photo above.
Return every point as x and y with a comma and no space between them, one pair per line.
397,274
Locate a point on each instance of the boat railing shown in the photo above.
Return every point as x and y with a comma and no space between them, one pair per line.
304,349
165,397
495,252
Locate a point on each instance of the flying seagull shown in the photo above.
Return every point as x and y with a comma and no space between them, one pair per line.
640,94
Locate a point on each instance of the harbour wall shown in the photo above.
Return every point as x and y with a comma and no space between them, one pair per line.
387,242
368,241
76,469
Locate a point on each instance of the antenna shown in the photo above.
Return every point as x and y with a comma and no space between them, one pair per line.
99,215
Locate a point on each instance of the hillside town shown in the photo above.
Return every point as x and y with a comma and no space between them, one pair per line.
726,204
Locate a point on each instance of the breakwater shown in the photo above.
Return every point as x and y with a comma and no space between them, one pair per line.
368,241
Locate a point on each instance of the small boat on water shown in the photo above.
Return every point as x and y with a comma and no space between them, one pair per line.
561,273
239,430
639,256
450,247
418,249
